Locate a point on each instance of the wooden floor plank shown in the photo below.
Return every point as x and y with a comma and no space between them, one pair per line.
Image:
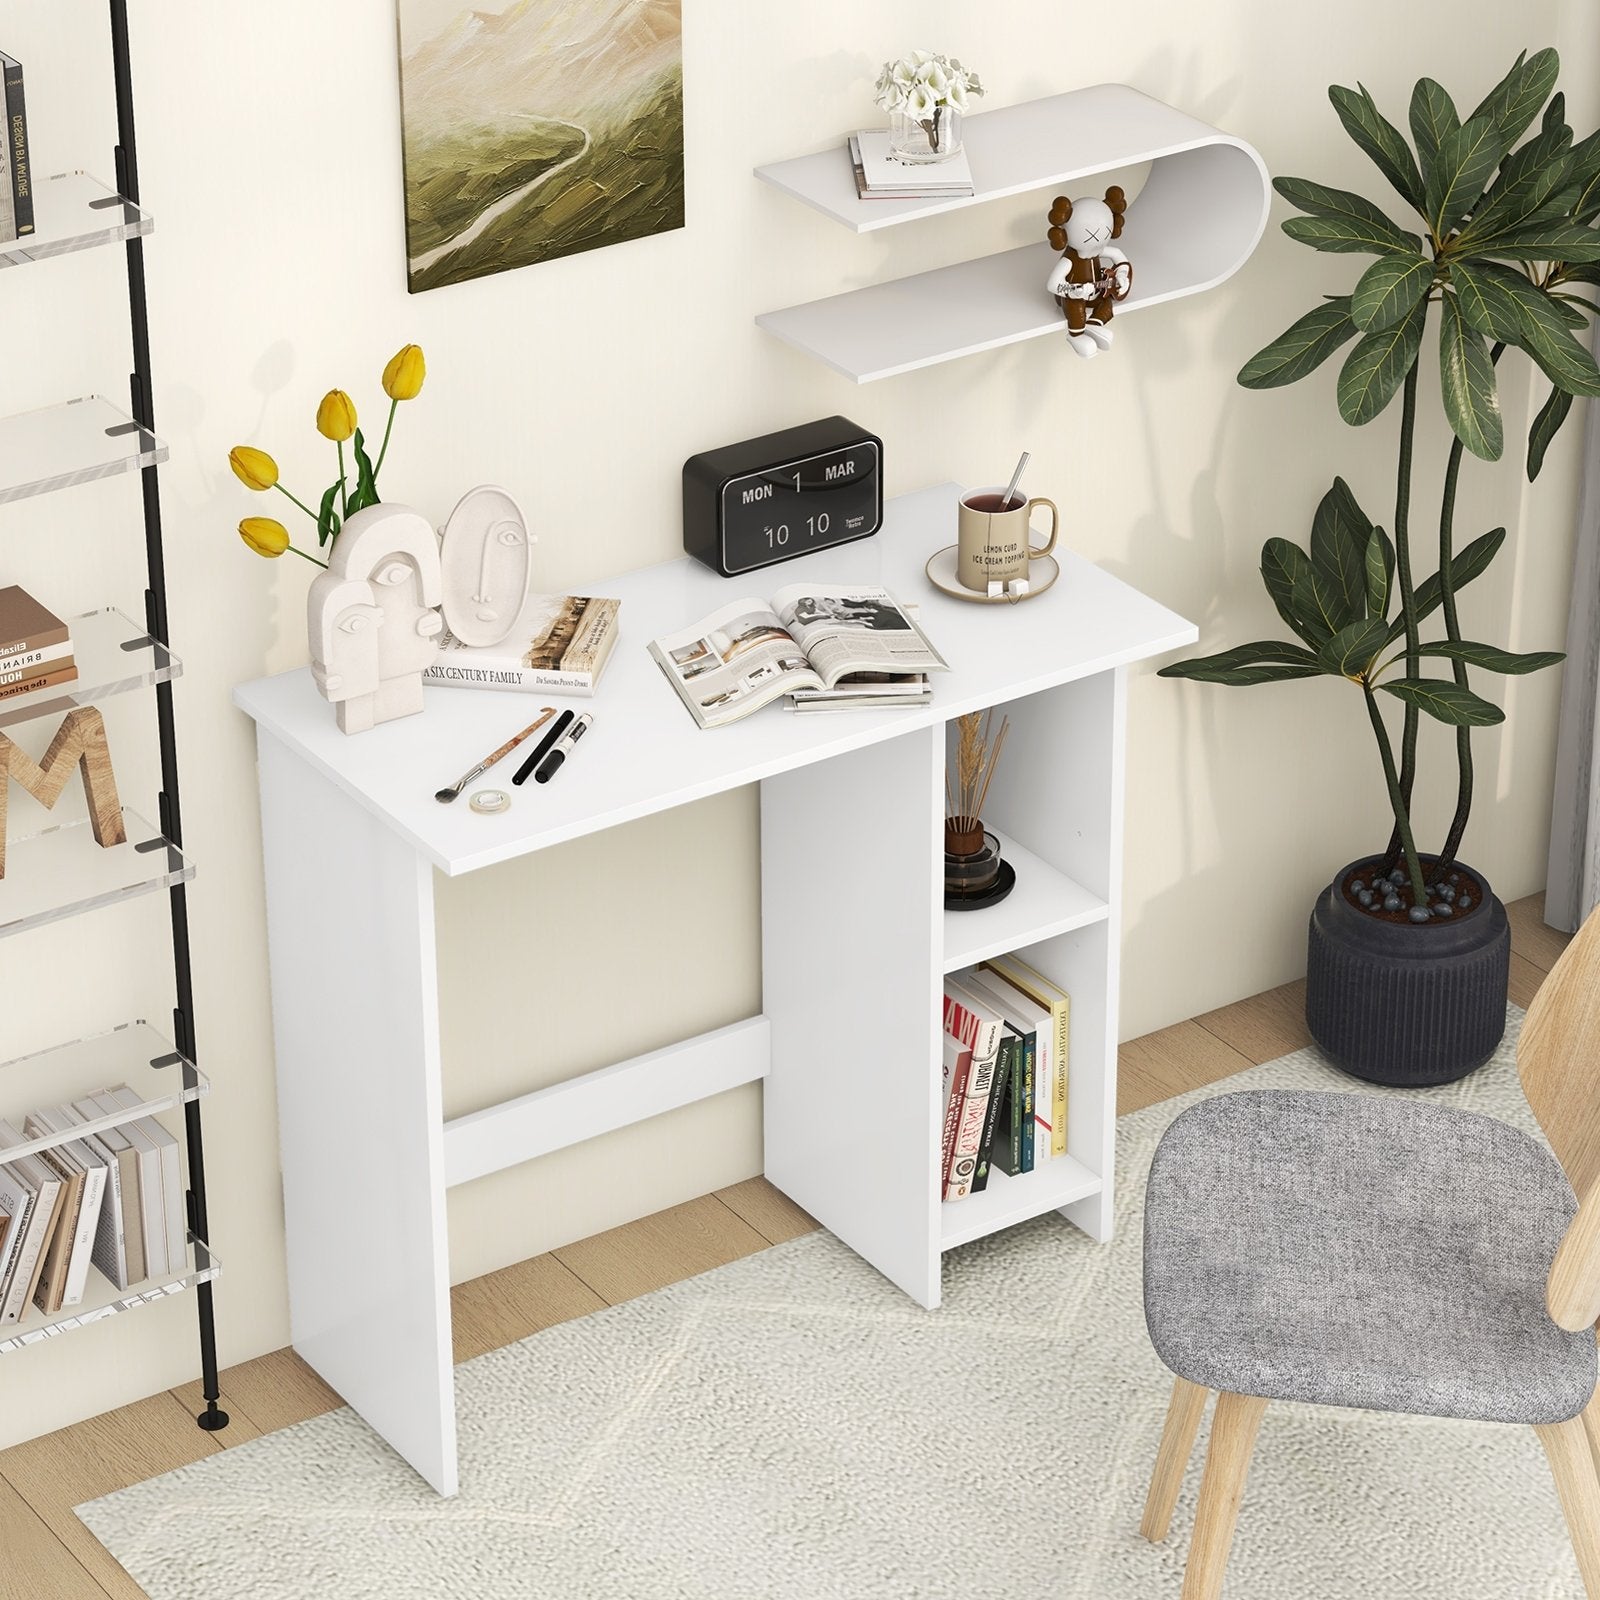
502,1307
273,1391
1531,936
1525,980
1170,1062
672,1245
768,1210
33,1561
1265,1026
110,1452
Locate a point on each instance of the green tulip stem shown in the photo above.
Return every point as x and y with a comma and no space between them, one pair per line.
312,559
1402,817
301,503
388,428
344,503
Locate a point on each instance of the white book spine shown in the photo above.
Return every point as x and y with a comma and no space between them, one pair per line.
94,1189
33,1246
152,1204
110,1255
16,1201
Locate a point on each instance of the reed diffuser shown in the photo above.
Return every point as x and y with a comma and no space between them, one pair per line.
973,871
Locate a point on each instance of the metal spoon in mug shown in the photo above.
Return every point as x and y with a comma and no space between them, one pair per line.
1016,478
445,796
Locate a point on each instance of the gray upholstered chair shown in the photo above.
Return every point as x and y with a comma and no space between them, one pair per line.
1387,1254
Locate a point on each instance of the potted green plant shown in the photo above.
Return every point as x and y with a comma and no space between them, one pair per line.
1409,951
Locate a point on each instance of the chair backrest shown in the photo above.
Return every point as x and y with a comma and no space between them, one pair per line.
1558,1059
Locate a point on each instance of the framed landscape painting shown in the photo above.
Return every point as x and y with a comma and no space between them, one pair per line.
535,129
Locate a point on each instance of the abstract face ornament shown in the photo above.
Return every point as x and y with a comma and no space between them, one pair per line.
487,564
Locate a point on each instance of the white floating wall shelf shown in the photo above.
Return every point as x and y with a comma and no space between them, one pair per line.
1197,219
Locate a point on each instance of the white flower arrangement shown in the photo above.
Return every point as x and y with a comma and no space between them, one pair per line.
919,83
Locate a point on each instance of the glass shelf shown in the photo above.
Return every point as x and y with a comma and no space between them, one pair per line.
62,871
114,655
73,211
134,1054
103,1299
63,445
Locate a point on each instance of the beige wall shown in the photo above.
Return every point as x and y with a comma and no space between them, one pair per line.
270,147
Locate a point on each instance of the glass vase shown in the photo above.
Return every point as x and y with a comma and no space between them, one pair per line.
936,138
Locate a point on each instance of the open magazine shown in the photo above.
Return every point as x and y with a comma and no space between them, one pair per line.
823,647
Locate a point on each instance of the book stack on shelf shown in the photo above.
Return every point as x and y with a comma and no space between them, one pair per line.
879,176
112,1200
16,171
1006,1030
35,645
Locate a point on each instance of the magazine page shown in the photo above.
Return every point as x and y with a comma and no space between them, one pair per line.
733,662
854,630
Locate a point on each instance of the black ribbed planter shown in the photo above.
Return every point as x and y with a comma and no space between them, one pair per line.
1406,1004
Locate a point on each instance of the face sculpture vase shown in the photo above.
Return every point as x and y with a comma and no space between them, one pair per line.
486,558
372,617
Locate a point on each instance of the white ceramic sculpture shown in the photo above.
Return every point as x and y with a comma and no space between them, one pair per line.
487,561
371,616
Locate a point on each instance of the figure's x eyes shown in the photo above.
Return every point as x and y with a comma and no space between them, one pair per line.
395,572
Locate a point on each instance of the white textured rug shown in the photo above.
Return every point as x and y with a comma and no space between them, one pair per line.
791,1426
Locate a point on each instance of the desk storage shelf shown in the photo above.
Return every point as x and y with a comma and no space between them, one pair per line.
851,857
114,656
73,211
1199,215
60,871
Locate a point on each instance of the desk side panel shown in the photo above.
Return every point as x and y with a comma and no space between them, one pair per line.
355,1014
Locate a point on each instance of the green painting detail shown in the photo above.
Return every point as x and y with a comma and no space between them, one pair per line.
537,129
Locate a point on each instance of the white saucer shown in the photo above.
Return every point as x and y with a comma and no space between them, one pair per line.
1042,573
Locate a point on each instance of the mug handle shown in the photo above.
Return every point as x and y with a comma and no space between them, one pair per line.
1055,524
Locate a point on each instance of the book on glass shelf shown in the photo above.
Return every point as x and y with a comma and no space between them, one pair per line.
21,1280
68,1273
19,168
35,645
881,176
1054,1036
559,642
978,1026
168,1167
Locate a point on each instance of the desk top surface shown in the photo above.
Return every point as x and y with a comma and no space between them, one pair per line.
645,754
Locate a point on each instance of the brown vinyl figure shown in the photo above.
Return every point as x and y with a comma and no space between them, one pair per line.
1092,273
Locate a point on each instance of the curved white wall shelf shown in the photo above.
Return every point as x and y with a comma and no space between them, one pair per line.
1199,216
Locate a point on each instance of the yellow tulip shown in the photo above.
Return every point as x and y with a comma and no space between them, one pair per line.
402,378
336,416
255,469
264,536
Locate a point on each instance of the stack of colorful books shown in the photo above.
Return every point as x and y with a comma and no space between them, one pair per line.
1006,1031
35,645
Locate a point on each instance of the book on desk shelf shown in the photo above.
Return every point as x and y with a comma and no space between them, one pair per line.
35,645
1047,1007
978,1027
806,640
1031,1126
18,166
881,176
559,641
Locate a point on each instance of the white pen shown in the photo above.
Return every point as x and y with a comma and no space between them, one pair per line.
551,764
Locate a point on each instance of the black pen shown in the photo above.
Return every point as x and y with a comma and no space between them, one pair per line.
552,762
543,749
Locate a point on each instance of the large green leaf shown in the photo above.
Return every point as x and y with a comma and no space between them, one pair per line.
1318,200
1351,236
1461,170
1221,667
1586,174
1533,182
1381,140
1433,119
1446,701
1379,564
1555,114
1302,347
1537,240
1373,370
1466,379
1243,677
1485,302
1282,564
1490,657
1352,650
1545,427
1388,289
1467,564
1339,533
1543,331
1514,102
1322,605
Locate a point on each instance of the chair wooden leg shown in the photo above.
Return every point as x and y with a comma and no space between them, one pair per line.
1591,1426
1233,1438
1184,1411
1567,1446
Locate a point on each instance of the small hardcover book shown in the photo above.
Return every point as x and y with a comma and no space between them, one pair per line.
20,168
559,641
976,1025
1057,1031
881,176
8,206
957,1064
